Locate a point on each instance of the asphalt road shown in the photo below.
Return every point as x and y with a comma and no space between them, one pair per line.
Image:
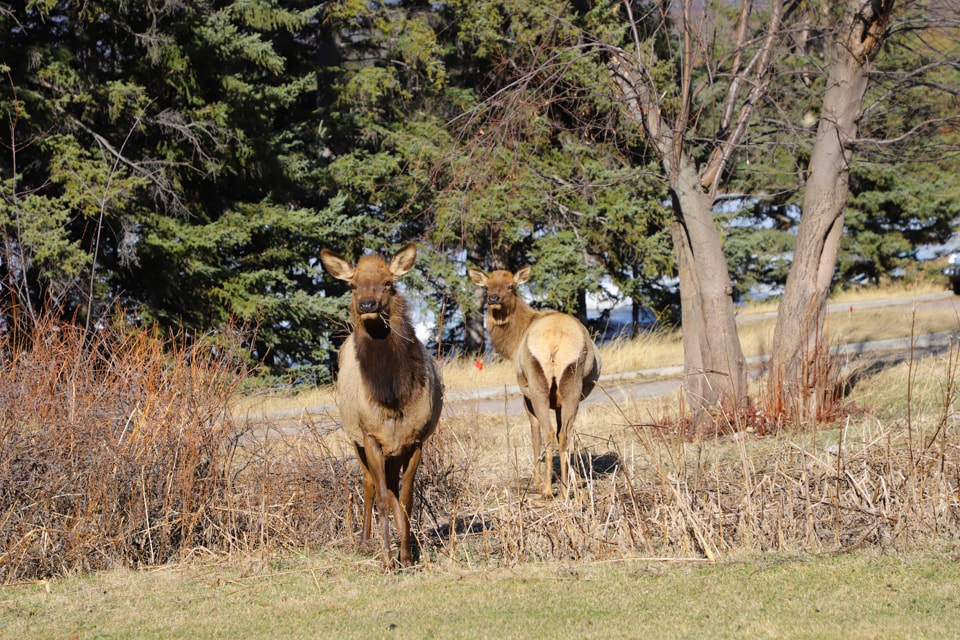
651,383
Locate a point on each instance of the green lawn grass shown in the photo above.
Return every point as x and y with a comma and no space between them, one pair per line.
860,595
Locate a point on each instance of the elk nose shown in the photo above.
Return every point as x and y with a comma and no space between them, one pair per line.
367,305
493,298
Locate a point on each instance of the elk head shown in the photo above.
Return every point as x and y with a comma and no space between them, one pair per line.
501,289
373,282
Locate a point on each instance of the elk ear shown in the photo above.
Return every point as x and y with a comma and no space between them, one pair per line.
479,277
335,265
402,261
522,275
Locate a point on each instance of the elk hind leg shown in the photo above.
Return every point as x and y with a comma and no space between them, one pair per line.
535,443
542,440
568,404
565,433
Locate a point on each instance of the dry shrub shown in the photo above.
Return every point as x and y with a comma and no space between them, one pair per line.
290,490
647,487
791,496
124,449
115,449
791,500
660,494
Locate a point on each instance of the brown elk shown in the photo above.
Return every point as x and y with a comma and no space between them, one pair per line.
389,390
556,362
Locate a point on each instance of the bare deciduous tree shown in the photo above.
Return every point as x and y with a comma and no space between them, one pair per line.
797,379
715,369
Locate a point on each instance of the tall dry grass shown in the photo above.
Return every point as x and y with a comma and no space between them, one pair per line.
113,449
882,470
120,448
127,449
649,490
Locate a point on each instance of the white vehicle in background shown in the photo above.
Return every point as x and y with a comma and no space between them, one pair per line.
952,271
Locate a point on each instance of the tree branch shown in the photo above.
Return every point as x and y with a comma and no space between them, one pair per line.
760,66
917,128
909,79
733,89
641,103
686,80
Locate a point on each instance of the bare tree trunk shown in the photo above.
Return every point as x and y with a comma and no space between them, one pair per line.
714,366
715,373
799,379
474,334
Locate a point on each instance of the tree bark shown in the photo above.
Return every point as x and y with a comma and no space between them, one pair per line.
474,333
714,367
799,375
715,373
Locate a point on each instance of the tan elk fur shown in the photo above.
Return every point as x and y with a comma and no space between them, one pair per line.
389,390
556,362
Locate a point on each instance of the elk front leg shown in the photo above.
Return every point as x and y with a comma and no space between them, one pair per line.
405,508
369,490
377,465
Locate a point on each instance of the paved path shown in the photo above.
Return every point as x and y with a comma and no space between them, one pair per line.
651,383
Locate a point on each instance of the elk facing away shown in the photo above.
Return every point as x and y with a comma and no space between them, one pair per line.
556,362
390,392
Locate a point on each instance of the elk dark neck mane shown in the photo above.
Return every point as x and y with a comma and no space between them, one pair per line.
506,329
390,357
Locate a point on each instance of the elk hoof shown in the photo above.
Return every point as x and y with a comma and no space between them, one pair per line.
368,547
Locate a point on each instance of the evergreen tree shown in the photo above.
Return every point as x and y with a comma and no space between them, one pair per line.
543,173
164,160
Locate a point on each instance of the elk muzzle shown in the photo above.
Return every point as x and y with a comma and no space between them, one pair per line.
367,306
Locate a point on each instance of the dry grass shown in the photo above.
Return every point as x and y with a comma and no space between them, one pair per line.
890,289
663,349
128,450
652,350
113,450
268,402
649,491
463,374
120,449
857,294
